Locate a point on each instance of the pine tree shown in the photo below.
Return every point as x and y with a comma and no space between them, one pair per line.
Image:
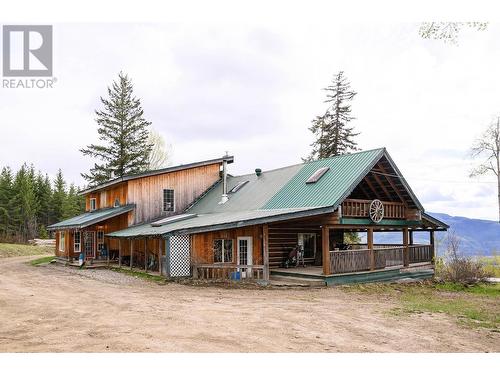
333,134
72,204
6,205
124,132
58,198
43,194
24,204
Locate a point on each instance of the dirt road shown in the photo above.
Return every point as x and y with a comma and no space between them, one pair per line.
54,309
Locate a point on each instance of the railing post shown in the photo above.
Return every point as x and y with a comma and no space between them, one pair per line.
131,253
370,247
406,250
119,253
432,241
325,241
265,250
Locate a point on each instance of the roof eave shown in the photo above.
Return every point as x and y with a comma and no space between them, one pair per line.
228,159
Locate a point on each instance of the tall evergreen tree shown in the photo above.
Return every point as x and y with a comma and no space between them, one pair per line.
124,132
73,203
43,194
58,198
333,134
7,227
24,213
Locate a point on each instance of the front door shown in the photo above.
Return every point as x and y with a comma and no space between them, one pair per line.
89,244
245,249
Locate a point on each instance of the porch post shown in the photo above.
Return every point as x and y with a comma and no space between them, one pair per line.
131,253
406,251
325,247
159,255
370,247
119,253
265,250
146,254
432,241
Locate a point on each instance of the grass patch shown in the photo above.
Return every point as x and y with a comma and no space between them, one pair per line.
140,275
491,290
473,313
8,250
472,306
44,260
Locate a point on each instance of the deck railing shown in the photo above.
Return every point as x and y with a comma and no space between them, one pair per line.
227,272
361,208
420,253
345,261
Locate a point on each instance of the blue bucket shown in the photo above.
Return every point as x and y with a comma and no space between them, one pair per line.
236,275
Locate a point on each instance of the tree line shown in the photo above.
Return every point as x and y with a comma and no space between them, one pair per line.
30,201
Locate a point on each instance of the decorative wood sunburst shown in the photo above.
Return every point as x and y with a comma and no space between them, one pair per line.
376,211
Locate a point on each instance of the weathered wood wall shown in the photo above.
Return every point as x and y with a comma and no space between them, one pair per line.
202,251
147,192
106,198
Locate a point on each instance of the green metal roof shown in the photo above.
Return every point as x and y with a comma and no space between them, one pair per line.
251,196
92,217
275,195
216,221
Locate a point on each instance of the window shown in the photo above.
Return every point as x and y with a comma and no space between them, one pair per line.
93,204
100,240
117,202
308,242
223,251
62,241
78,241
317,175
168,200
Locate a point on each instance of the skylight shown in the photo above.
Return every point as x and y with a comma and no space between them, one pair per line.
317,175
172,219
238,186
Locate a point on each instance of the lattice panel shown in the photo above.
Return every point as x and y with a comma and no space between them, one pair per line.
180,254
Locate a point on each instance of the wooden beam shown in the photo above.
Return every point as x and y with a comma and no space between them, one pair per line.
146,255
379,181
325,247
119,253
265,250
411,237
394,187
432,241
406,251
131,253
369,240
160,241
370,186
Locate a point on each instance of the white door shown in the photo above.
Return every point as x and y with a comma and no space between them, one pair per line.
245,250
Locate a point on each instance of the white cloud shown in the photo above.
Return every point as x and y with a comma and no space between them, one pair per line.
253,89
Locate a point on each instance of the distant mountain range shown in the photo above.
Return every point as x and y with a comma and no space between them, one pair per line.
478,237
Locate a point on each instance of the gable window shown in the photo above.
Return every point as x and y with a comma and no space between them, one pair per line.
223,251
117,202
93,204
78,241
168,200
62,241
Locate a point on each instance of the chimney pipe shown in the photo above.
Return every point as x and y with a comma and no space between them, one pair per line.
224,198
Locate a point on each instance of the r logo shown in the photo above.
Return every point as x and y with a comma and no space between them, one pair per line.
27,50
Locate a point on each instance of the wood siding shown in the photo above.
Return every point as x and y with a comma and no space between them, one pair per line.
106,198
202,251
147,192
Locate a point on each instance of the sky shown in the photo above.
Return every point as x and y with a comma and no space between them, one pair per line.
252,89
